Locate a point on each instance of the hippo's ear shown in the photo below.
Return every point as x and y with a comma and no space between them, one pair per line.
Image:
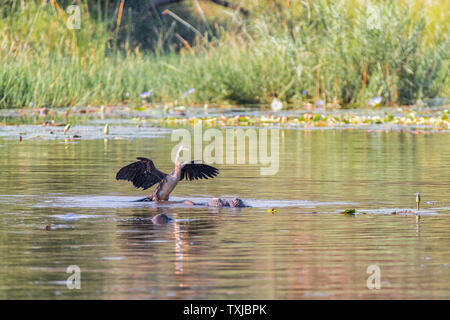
237,203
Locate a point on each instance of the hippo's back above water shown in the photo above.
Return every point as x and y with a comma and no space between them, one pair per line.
219,203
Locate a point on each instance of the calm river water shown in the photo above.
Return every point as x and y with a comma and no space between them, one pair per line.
305,249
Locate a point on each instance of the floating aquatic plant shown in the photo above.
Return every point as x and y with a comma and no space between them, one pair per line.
350,212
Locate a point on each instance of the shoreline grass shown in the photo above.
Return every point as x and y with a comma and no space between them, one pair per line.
318,51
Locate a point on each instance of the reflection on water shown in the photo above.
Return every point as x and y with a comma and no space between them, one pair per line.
305,249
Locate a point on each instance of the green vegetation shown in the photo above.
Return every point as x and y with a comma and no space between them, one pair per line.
349,212
337,52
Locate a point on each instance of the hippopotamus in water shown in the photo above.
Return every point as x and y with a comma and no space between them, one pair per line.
220,203
213,203
161,218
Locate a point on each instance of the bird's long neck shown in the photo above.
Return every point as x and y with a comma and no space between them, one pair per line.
178,164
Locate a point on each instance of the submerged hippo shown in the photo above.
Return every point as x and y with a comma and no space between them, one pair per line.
220,203
161,218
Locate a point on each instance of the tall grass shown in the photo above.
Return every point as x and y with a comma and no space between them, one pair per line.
309,51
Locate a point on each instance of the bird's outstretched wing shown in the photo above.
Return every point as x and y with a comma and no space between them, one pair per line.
142,173
191,170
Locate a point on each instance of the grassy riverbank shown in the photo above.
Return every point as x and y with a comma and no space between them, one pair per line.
342,53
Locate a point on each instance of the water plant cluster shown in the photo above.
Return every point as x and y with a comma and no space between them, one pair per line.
438,121
346,53
419,120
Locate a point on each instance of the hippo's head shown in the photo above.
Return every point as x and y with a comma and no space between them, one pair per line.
218,203
236,203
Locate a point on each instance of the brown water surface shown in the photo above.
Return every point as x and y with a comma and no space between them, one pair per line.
306,249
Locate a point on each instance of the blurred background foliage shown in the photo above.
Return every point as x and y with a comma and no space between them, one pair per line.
339,52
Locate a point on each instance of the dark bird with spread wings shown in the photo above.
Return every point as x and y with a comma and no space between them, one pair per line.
143,174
